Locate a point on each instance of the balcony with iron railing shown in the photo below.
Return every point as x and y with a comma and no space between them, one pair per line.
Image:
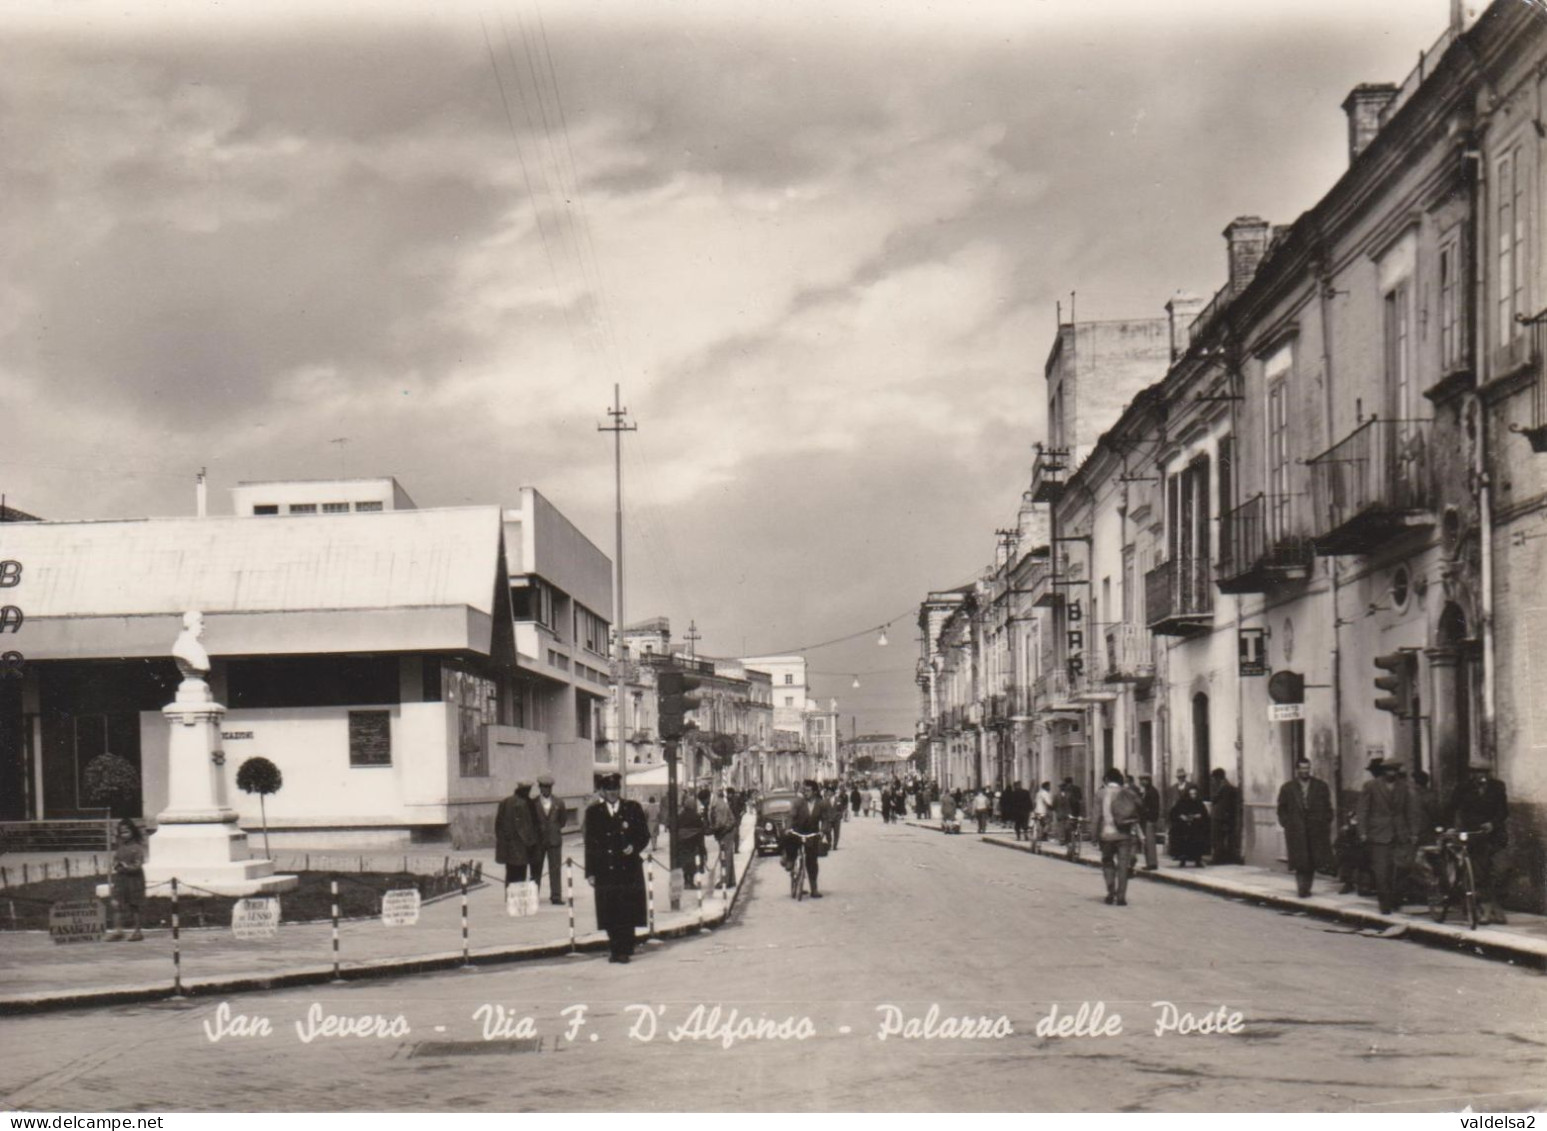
1054,693
1129,658
1180,598
1535,342
1049,471
1372,486
1255,555
1089,676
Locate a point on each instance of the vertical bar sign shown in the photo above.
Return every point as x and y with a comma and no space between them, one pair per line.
11,618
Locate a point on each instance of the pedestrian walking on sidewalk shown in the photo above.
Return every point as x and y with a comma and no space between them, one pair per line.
688,852
616,834
1305,812
1019,803
653,816
1386,824
550,814
834,816
723,827
1119,809
980,809
515,833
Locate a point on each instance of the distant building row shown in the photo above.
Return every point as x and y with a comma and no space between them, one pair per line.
1331,473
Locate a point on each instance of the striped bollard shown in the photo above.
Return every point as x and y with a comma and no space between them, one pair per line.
700,928
333,889
569,894
467,958
650,898
177,947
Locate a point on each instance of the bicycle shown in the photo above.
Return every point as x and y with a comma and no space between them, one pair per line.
1452,879
798,868
1076,833
1038,832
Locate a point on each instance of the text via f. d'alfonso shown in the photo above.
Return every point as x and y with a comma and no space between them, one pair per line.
728,1026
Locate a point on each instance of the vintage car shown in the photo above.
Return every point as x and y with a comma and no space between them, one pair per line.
773,818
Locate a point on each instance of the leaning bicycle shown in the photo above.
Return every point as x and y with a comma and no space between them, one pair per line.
1038,832
1076,834
798,868
1452,882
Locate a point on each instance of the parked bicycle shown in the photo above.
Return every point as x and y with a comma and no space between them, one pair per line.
1451,880
1038,831
1076,834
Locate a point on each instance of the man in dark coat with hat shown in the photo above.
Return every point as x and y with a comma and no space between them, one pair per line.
616,835
1386,824
1224,819
1305,812
515,833
549,814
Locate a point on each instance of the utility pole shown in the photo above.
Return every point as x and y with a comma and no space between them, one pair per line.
692,637
619,656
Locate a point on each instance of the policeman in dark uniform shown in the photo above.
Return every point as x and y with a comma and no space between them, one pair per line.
616,835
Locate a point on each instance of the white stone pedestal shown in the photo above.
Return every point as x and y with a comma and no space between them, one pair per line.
197,839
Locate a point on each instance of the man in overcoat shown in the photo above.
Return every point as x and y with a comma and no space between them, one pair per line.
1224,819
515,833
1150,823
1386,824
1305,812
616,835
549,813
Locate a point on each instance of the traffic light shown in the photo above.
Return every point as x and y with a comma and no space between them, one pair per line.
673,686
1398,684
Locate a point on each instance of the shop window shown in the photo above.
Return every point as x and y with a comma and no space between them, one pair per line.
312,681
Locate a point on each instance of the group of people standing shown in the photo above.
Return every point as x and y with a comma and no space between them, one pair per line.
1398,817
704,815
1203,824
529,833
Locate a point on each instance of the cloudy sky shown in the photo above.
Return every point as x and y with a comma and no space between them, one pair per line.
819,244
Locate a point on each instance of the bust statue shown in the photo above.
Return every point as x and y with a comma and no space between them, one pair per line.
192,659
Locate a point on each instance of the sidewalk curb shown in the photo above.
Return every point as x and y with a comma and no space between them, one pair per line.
312,974
1436,935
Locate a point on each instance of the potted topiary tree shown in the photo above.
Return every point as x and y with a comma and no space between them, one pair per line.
259,775
112,782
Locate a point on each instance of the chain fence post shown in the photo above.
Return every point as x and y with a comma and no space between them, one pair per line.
177,947
569,890
467,958
333,891
650,897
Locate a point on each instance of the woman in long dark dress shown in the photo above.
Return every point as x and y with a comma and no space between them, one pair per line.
1188,836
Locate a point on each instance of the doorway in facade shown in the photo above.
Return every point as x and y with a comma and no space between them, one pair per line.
1200,739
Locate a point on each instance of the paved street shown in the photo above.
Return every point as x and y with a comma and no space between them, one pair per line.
912,921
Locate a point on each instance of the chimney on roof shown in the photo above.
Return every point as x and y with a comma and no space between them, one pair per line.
1464,13
1181,312
1246,237
1364,106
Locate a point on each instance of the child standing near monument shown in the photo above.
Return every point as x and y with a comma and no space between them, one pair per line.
128,880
